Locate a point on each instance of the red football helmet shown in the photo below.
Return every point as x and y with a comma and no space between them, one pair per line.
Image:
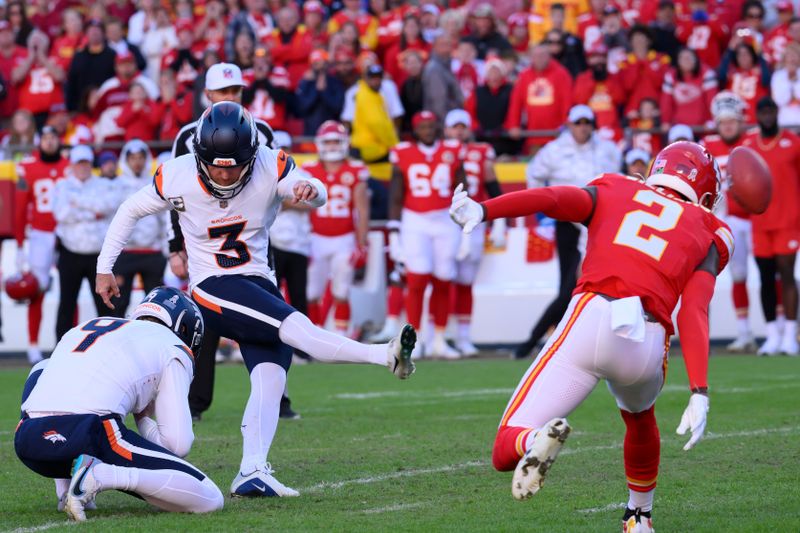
332,140
22,287
688,169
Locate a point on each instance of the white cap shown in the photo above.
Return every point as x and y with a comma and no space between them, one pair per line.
637,154
580,112
81,153
222,75
282,139
680,132
456,117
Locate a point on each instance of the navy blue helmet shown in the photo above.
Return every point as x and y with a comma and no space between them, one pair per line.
175,310
226,136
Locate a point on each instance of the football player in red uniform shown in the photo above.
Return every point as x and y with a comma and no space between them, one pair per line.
38,174
649,244
728,111
422,237
339,228
482,185
776,232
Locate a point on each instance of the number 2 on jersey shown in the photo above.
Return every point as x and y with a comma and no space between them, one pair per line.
633,222
97,328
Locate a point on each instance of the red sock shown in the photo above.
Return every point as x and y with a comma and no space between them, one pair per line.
394,303
440,302
35,318
341,314
642,449
325,304
509,447
741,301
313,312
415,295
463,305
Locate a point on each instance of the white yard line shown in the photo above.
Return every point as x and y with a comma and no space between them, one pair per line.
43,527
609,507
392,508
420,394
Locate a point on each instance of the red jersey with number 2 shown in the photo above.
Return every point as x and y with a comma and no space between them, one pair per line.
644,243
429,173
476,156
336,217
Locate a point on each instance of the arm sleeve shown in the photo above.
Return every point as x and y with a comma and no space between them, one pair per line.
145,202
287,183
693,326
173,426
564,202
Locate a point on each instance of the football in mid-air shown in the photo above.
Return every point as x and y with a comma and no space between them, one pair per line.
751,180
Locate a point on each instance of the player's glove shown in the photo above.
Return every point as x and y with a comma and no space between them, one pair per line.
395,247
497,236
358,259
694,419
465,211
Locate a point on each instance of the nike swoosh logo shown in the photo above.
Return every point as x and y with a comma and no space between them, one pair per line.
79,486
262,488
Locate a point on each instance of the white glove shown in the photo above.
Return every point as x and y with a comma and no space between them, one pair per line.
694,419
497,236
20,260
465,211
464,247
395,247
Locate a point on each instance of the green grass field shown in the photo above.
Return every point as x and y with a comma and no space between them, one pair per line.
375,454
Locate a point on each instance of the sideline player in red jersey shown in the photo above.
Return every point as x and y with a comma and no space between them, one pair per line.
339,228
38,174
776,232
649,244
424,175
728,110
481,185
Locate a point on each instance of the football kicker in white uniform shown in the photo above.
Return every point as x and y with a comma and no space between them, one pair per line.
74,405
228,193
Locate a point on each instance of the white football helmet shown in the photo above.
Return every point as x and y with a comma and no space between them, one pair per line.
727,105
328,150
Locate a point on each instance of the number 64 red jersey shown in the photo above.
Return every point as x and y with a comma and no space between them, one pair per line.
643,243
429,173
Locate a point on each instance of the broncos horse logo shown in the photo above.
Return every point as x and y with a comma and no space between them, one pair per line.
54,436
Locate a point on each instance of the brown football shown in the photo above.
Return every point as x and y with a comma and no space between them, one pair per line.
751,180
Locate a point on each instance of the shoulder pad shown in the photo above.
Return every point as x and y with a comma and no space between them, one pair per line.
405,145
158,181
285,164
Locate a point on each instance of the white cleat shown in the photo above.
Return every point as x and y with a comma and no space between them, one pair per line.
400,350
532,468
440,349
62,503
82,488
34,355
259,484
637,522
771,346
390,330
466,348
789,346
743,344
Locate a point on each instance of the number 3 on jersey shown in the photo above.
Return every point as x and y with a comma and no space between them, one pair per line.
422,182
231,234
633,222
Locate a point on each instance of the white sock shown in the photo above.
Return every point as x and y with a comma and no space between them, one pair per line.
298,332
641,500
62,485
463,331
170,490
260,419
780,322
743,325
392,323
790,329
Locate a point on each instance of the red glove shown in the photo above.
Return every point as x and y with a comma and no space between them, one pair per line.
358,259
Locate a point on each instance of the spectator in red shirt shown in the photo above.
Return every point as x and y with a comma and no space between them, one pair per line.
518,32
687,92
410,39
745,73
647,118
602,92
121,9
184,60
209,31
268,92
776,39
642,71
347,38
254,21
464,67
314,21
243,49
46,16
366,24
543,93
140,116
290,44
175,105
18,18
702,32
72,39
39,78
10,55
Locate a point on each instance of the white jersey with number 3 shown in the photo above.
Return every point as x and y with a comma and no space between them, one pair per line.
107,366
221,236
